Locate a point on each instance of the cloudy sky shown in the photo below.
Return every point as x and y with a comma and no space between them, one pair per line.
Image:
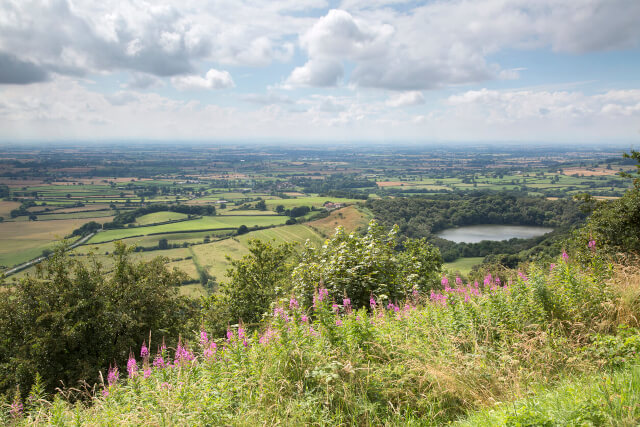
320,70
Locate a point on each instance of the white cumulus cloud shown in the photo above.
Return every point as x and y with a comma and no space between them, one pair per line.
405,99
214,79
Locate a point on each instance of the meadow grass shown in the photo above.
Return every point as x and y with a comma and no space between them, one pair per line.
608,398
463,265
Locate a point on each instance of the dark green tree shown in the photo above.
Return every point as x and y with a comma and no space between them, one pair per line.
614,226
71,320
255,281
354,266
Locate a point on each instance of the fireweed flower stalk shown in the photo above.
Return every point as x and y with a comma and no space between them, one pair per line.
144,351
158,361
113,375
132,366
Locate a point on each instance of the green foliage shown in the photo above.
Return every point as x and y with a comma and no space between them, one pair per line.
360,266
255,282
424,363
72,319
423,217
615,225
616,350
604,399
298,211
88,228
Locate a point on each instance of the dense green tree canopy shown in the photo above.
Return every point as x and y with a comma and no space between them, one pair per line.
73,319
355,266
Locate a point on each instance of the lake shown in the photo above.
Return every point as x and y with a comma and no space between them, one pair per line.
478,233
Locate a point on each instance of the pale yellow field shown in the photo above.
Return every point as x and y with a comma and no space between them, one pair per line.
350,218
22,241
6,207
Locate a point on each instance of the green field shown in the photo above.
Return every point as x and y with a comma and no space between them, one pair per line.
26,240
75,215
312,201
463,265
247,212
156,217
204,223
212,256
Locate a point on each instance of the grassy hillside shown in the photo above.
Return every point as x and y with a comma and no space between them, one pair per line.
539,336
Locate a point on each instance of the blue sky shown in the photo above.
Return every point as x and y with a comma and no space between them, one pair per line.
316,70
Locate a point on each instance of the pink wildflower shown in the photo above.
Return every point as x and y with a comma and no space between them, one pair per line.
372,302
304,318
565,257
488,279
592,244
183,355
551,267
112,376
204,339
209,352
267,336
444,281
523,276
105,392
335,307
293,304
16,409
458,281
147,372
132,366
229,334
144,351
158,361
338,322
241,333
346,303
320,296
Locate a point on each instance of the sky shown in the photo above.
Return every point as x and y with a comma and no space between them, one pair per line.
320,70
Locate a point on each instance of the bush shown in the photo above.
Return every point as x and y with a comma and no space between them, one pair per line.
255,282
72,319
359,266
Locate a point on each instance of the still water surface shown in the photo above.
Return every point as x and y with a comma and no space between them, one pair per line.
478,233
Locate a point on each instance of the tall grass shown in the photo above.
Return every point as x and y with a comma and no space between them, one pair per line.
429,360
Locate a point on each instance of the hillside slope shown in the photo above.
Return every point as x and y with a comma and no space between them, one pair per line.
429,360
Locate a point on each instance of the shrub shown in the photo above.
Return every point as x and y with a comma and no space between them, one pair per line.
72,319
359,266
